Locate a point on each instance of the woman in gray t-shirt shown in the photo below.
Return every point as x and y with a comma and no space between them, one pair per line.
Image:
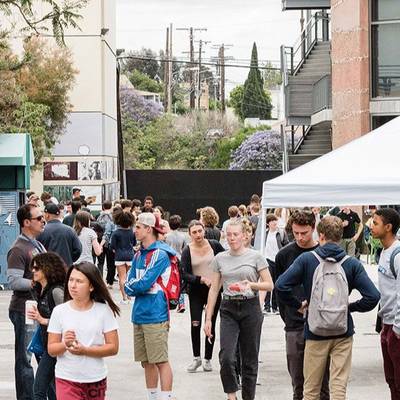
241,272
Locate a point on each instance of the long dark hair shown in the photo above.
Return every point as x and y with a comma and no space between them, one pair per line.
82,220
100,292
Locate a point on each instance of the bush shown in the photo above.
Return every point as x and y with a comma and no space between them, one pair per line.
262,150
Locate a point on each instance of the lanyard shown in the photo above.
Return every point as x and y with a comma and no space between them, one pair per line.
38,246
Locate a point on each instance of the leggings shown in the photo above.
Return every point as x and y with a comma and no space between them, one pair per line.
198,295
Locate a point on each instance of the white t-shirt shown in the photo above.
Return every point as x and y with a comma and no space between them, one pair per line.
86,237
271,246
89,327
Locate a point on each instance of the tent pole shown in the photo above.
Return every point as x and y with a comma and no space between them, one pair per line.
263,228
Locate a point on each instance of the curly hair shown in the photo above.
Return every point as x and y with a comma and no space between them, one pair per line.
209,216
125,219
52,266
302,218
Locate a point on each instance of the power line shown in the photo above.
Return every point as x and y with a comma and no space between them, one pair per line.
196,63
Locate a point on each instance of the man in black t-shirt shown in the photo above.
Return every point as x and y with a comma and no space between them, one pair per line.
302,223
350,236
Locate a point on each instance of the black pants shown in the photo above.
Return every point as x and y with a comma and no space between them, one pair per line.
295,345
198,296
270,298
241,322
109,254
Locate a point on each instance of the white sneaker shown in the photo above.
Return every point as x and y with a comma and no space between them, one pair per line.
207,367
194,365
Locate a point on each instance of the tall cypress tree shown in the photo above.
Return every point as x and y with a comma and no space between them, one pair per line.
256,103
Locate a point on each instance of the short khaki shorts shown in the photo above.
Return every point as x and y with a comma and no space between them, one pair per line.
151,342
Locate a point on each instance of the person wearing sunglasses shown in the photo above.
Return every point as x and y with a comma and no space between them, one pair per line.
49,271
19,278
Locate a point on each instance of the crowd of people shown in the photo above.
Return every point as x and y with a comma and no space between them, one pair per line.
67,261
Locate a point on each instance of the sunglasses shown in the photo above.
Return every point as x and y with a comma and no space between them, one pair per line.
39,218
35,268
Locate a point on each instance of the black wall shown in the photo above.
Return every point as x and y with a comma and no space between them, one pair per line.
183,191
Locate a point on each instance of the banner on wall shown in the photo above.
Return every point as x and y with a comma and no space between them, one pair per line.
60,171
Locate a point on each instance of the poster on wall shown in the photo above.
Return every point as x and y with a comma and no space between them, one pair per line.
111,191
57,171
90,170
61,193
93,194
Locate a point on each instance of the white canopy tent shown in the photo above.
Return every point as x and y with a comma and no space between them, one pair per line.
364,171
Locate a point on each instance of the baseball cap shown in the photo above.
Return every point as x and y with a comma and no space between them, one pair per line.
52,208
76,189
150,219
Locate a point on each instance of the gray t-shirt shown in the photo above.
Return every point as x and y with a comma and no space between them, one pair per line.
86,237
238,268
177,240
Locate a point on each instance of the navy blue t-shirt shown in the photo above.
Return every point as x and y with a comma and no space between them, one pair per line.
123,242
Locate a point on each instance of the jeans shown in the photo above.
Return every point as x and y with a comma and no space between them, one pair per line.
44,385
391,360
241,322
270,298
295,344
23,369
198,296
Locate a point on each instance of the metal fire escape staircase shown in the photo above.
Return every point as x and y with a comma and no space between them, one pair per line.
306,70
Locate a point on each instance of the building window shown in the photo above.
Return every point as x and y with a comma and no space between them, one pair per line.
379,120
385,48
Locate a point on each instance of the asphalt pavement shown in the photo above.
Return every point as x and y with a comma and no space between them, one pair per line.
126,379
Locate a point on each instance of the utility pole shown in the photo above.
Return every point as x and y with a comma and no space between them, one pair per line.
192,87
221,61
166,72
169,108
191,54
201,42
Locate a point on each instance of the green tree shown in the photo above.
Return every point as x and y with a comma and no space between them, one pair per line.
142,81
256,102
272,77
60,15
236,100
144,61
34,97
226,146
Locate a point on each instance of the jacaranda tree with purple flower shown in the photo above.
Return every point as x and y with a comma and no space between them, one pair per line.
138,109
262,150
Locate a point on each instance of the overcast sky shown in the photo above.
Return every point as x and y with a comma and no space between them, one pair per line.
142,23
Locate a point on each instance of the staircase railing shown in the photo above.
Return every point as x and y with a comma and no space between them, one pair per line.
322,94
293,57
291,141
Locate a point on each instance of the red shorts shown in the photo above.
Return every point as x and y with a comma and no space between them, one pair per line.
68,390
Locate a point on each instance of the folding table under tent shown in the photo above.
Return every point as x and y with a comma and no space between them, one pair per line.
364,171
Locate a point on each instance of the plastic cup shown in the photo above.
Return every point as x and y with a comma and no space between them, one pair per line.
29,305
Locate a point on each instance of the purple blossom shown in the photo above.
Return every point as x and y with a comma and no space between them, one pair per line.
136,108
262,150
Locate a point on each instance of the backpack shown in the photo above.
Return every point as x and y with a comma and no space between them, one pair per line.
172,285
391,262
102,220
328,307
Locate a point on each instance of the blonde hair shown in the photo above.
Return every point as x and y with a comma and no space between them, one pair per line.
237,222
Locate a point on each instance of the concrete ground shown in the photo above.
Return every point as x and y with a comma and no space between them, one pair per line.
126,382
